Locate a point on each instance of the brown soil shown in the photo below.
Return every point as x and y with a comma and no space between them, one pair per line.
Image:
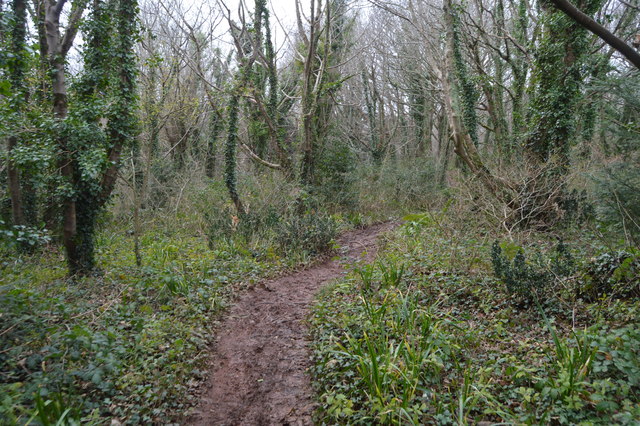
259,372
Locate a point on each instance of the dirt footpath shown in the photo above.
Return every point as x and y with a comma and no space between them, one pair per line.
259,368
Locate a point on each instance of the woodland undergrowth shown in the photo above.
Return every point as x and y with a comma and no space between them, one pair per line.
440,329
451,325
130,343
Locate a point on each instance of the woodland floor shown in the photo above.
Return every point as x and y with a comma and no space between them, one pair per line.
259,366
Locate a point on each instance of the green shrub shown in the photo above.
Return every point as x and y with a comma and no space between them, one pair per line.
576,207
618,197
259,221
312,232
266,204
399,187
218,224
615,274
335,176
618,357
23,235
533,279
412,182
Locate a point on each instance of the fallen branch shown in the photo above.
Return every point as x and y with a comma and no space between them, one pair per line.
259,160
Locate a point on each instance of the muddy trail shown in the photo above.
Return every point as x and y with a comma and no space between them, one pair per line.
259,366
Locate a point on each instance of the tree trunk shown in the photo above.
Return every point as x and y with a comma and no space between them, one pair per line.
463,145
60,112
215,128
231,147
13,176
309,105
17,68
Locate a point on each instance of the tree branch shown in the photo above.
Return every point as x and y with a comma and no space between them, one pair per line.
74,23
59,6
257,159
585,21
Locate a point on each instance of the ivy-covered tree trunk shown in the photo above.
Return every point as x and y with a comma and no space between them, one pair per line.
57,50
558,79
376,145
465,87
519,69
43,89
309,105
42,94
151,106
257,128
252,81
122,121
17,74
241,80
421,111
90,90
230,169
88,184
323,46
463,144
497,104
266,125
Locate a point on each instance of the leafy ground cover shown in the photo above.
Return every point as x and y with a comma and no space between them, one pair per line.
129,344
434,332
